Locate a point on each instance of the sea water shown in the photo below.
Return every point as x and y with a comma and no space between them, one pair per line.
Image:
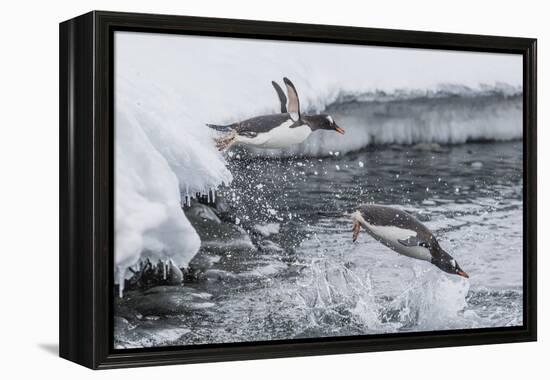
317,283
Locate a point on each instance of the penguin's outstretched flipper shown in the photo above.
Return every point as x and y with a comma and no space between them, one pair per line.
293,100
221,128
413,241
281,95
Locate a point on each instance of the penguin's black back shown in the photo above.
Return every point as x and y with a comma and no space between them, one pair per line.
388,216
261,124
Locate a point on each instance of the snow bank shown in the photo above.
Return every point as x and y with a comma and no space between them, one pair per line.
160,152
149,219
405,118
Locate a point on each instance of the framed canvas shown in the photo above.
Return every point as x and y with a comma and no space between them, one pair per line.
236,189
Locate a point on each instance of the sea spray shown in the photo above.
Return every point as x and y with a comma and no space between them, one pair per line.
433,301
333,291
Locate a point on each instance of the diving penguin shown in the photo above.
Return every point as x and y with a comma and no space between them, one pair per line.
401,232
277,130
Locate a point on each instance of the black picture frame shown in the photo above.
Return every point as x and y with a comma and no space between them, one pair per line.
86,188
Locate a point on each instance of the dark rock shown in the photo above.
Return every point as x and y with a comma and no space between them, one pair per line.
217,236
222,206
170,300
428,147
200,263
201,211
121,323
270,247
218,275
149,274
221,237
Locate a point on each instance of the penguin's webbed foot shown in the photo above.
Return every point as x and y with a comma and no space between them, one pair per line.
224,143
356,230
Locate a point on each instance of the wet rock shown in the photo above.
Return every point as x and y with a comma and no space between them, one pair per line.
218,275
222,207
201,211
201,262
150,274
267,229
223,237
169,300
268,246
217,236
266,272
428,147
121,323
151,333
125,313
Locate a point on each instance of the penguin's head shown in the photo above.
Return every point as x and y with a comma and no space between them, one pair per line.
447,264
322,121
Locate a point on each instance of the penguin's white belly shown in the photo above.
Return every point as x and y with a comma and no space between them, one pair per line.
279,137
390,236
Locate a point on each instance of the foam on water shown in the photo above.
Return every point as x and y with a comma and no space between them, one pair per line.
433,302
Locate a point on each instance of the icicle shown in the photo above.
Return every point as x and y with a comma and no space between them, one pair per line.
121,280
177,274
213,195
164,269
187,196
208,197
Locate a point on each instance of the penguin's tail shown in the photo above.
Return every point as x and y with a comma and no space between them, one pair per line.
221,128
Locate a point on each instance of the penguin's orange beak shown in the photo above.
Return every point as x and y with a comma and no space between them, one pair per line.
340,130
462,274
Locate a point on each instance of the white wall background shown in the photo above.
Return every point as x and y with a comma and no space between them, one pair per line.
29,193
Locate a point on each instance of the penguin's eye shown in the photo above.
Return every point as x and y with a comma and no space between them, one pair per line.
425,245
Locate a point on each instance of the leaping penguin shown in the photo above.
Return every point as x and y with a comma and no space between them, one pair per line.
404,234
281,95
278,130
